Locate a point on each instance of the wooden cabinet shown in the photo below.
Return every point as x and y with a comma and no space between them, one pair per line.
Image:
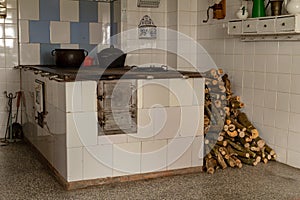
284,27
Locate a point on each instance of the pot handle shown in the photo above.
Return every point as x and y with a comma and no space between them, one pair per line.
86,53
53,52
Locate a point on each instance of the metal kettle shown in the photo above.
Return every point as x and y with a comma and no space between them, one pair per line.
258,9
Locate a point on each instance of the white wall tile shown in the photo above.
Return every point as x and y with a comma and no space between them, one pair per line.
29,54
59,32
181,92
282,120
293,141
179,154
75,164
23,31
295,64
69,11
145,124
283,101
281,154
198,97
284,83
295,83
89,95
259,80
293,158
281,138
248,80
82,128
95,33
29,9
271,82
258,114
154,156
258,97
284,64
73,91
97,162
197,151
112,139
270,99
126,158
294,103
155,93
294,122
269,117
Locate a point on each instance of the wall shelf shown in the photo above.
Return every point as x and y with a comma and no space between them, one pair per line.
281,28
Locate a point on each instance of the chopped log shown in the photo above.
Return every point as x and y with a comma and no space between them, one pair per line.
227,84
260,142
231,162
257,149
220,138
232,133
269,150
240,148
243,119
248,139
238,162
248,161
219,158
231,127
223,151
236,104
227,110
235,98
211,164
265,160
241,133
231,151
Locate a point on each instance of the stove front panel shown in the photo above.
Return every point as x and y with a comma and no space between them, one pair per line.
117,107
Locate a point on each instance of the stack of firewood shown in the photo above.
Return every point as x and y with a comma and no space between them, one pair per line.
230,138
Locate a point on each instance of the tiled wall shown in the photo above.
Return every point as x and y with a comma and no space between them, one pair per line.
267,76
9,78
46,25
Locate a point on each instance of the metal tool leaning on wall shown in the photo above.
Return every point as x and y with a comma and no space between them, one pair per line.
14,131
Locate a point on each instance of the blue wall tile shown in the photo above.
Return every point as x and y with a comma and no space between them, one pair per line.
88,47
45,53
50,10
39,31
80,33
88,11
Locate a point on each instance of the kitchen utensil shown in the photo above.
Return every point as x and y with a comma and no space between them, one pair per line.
69,57
8,133
276,7
111,58
242,13
17,130
258,9
292,6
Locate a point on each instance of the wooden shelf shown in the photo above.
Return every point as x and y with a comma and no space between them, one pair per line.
283,27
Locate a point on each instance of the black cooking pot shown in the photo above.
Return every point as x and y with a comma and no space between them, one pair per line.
111,58
69,57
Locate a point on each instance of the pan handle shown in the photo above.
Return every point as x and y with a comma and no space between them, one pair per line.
85,53
53,52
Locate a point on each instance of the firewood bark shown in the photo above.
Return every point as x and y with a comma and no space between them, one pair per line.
243,119
219,158
211,164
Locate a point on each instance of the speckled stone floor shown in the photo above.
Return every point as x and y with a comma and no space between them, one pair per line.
22,176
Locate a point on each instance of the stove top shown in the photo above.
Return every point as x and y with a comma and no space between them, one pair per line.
96,72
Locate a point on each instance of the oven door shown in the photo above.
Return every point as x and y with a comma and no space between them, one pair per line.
117,106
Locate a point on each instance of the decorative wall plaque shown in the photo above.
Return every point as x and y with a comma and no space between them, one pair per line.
147,29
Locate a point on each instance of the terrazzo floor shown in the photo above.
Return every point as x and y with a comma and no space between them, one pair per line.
22,176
